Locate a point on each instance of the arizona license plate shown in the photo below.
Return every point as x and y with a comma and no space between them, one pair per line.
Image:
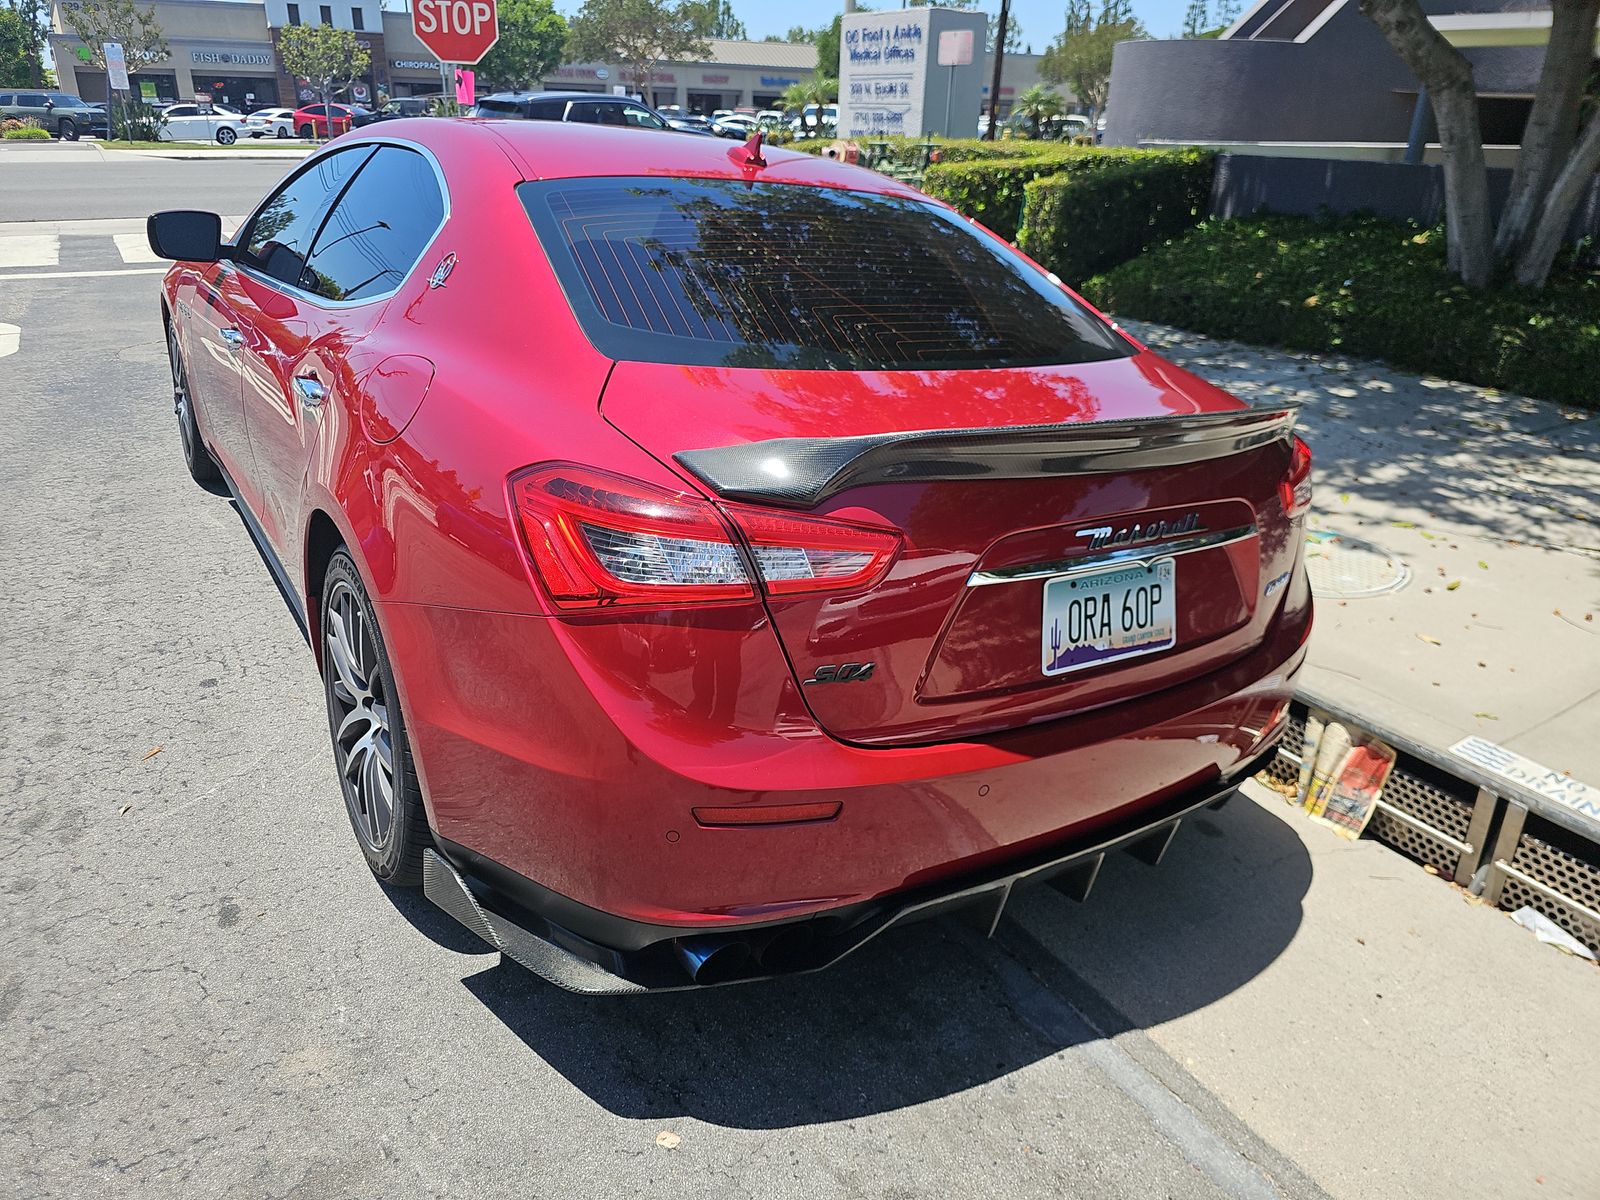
1106,613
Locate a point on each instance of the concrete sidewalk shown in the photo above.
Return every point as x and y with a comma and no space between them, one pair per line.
1491,502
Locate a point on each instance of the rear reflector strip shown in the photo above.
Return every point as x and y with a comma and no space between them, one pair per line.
768,814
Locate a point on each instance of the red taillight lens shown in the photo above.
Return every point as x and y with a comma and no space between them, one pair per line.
1296,486
804,554
598,539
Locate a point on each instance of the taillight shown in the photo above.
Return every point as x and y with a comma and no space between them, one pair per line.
598,539
804,554
1295,489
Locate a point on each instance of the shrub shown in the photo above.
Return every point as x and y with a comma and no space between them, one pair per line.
24,130
1372,288
988,190
991,191
1107,206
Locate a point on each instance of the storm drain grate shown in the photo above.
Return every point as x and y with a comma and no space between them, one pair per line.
1553,880
1347,567
1418,814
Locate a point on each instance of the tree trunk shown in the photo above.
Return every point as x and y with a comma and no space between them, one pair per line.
1553,124
1448,77
1555,214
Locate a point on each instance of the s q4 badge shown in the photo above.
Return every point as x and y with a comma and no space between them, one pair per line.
841,673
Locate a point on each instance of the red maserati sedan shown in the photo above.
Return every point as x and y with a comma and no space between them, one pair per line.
716,555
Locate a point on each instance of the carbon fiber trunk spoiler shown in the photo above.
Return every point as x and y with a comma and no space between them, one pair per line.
803,472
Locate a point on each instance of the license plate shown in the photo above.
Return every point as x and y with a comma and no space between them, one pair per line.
1108,613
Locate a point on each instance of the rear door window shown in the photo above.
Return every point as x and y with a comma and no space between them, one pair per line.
547,110
729,273
281,233
378,228
499,108
642,118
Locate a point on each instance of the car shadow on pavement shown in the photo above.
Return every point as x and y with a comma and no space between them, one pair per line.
933,1009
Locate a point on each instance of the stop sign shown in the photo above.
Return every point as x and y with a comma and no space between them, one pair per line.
457,31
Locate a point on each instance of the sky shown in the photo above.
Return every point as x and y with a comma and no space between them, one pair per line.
1041,19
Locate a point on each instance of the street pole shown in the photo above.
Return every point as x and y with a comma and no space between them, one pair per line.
447,80
999,58
949,87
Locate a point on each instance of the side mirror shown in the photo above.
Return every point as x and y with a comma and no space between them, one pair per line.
185,236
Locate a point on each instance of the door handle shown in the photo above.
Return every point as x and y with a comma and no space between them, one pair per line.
311,390
234,338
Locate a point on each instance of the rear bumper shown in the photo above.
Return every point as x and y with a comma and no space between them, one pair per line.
523,921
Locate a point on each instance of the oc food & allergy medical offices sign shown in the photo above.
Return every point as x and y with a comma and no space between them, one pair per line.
890,81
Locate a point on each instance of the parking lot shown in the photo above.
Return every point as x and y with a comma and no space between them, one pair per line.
206,993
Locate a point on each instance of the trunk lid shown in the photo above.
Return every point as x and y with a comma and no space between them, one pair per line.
1152,496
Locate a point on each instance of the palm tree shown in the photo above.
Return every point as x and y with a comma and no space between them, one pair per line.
818,91
1038,104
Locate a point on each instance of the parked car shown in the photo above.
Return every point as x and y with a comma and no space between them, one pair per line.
270,122
715,560
586,107
689,123
404,106
330,120
63,114
197,123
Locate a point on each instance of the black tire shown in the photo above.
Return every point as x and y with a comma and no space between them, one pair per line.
283,132
227,136
355,689
202,467
307,132
67,131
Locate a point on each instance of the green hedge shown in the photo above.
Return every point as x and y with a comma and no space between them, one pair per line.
1371,288
1107,206
989,190
28,133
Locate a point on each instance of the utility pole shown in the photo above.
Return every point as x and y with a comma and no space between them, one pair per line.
999,58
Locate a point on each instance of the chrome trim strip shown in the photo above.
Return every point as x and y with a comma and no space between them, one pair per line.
1063,566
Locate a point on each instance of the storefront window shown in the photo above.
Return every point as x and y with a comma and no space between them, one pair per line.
244,92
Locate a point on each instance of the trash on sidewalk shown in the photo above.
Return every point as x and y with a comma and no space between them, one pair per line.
1341,775
1551,934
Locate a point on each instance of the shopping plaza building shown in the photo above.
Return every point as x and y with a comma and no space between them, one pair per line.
227,50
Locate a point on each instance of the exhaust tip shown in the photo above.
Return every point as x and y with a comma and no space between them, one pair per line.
707,960
789,949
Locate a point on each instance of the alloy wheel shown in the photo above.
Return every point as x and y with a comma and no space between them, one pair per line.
358,708
180,393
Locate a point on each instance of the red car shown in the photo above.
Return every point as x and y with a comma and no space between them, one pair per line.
716,556
324,120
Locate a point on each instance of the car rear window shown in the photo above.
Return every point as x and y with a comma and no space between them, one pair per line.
719,272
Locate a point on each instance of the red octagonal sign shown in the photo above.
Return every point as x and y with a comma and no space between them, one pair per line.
457,31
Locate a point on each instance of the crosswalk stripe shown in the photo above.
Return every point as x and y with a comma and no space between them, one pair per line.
30,250
134,248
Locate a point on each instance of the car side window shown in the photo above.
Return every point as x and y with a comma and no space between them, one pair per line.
280,235
641,118
31,100
378,228
182,110
6,98
498,108
546,110
584,111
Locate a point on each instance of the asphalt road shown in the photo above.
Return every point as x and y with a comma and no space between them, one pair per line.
204,992
62,181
